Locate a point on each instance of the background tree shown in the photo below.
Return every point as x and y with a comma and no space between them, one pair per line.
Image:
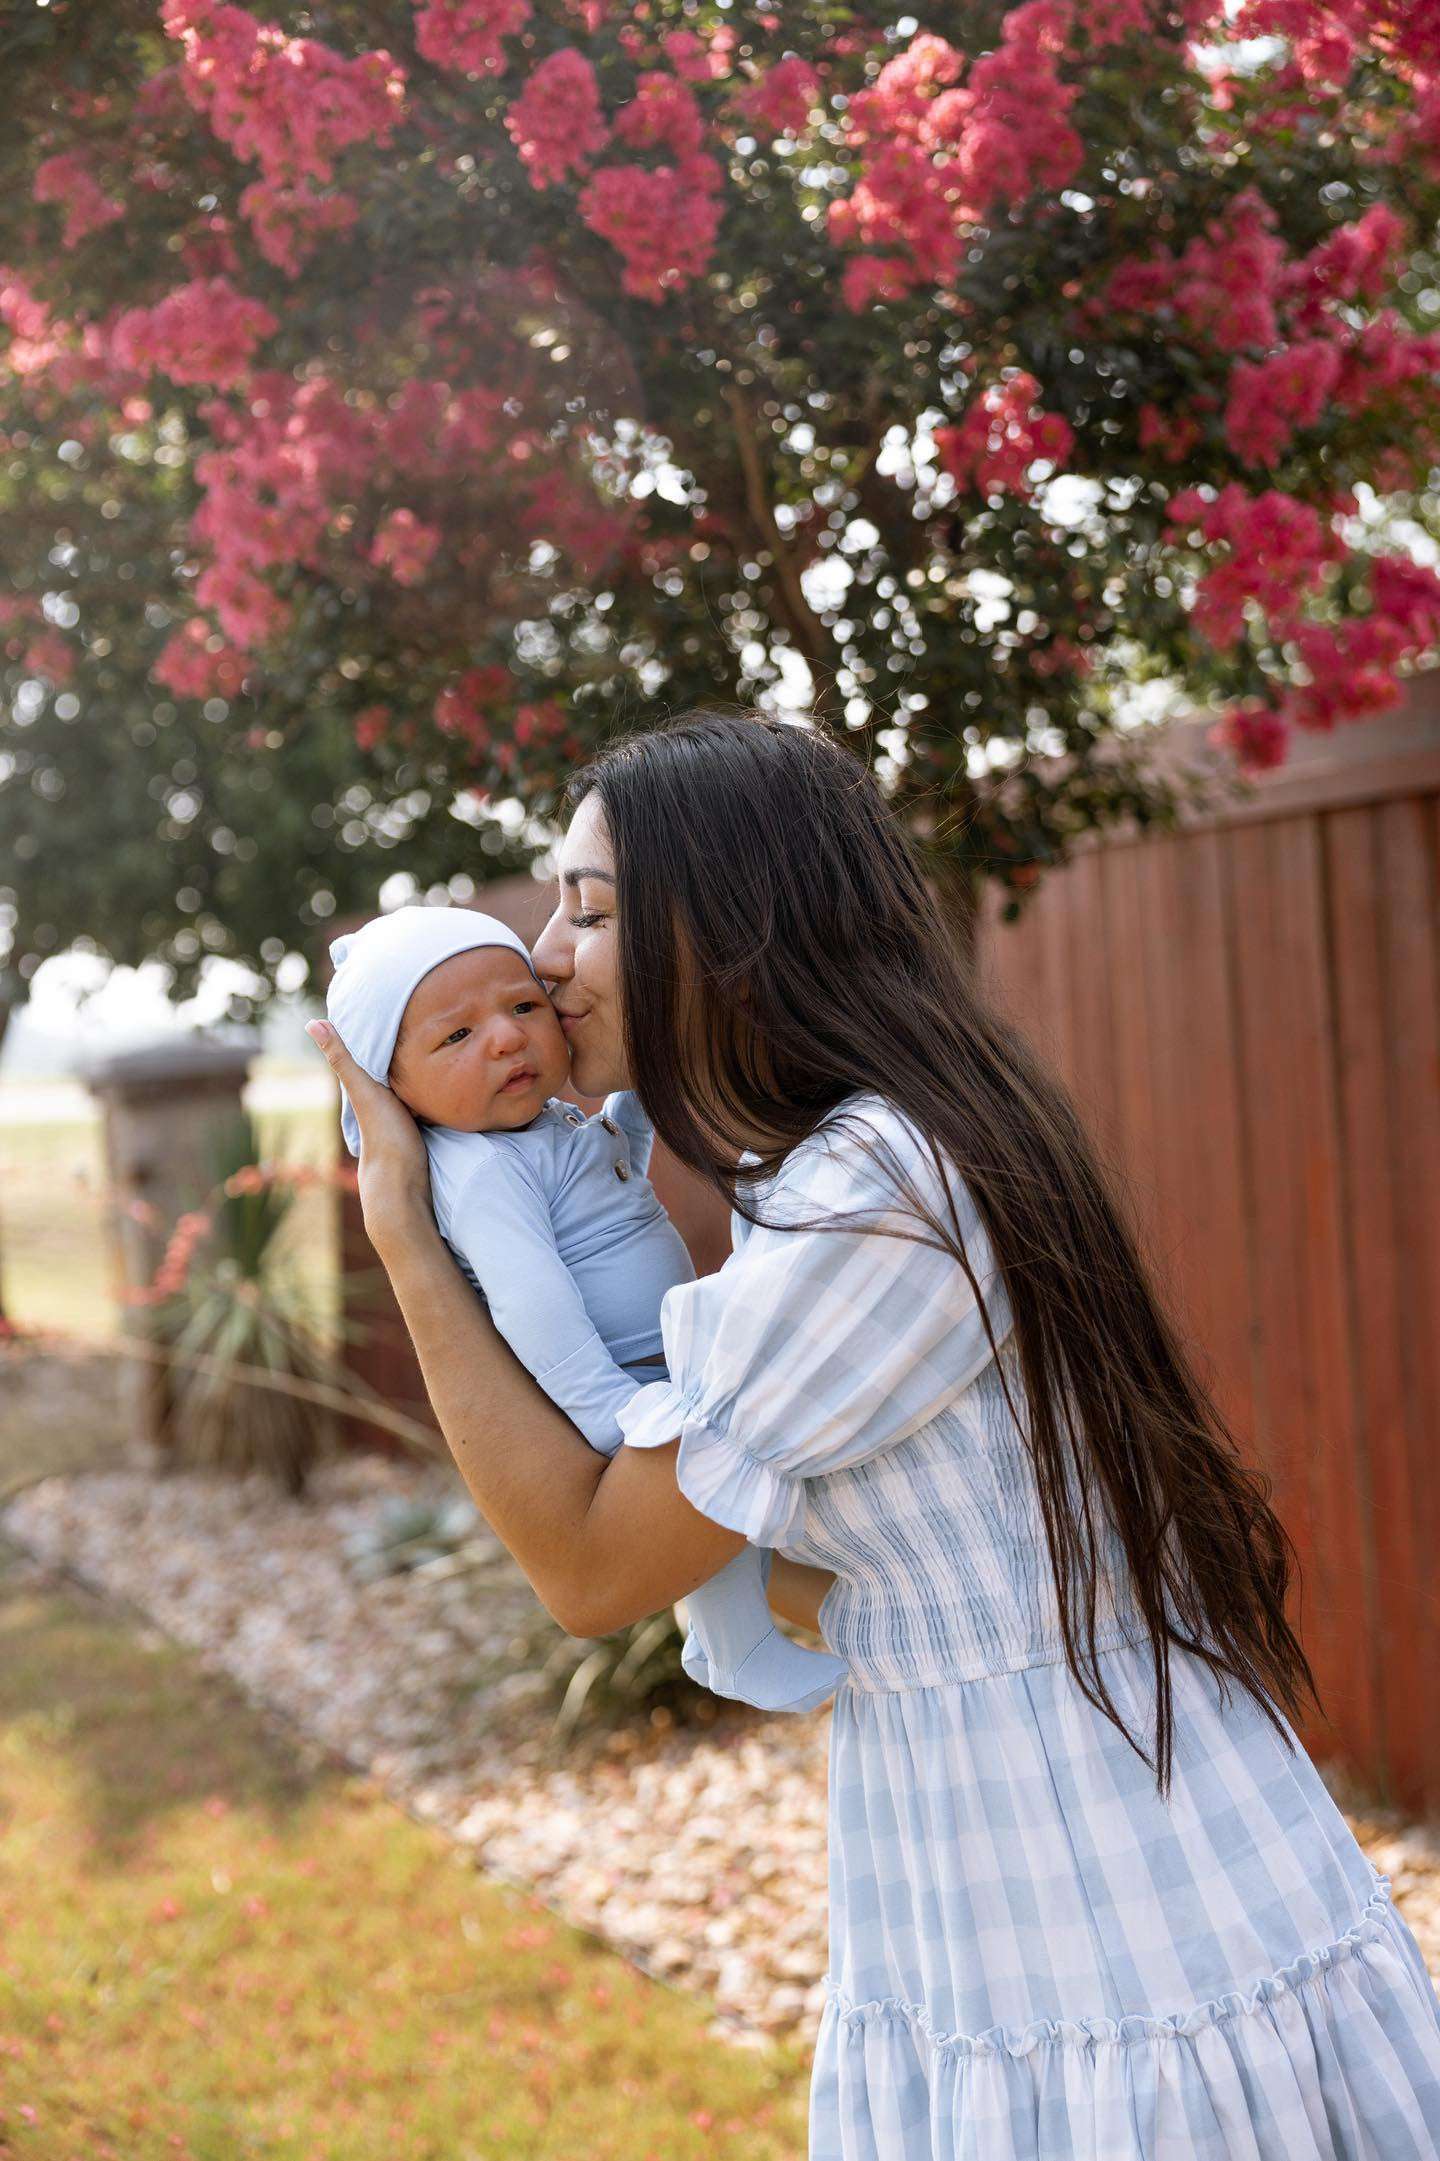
397,399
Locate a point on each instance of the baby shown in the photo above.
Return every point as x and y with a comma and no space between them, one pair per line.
550,1215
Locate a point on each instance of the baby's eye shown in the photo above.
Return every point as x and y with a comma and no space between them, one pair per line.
456,1035
527,1005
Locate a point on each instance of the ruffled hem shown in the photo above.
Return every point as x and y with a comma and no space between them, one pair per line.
1372,1927
1334,2057
714,1475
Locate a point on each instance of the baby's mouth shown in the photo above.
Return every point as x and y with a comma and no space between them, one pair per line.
517,1081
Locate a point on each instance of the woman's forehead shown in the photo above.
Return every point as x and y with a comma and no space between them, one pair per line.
586,845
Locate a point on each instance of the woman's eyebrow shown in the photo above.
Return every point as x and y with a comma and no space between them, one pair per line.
572,878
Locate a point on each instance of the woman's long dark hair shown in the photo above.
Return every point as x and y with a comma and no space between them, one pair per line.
780,950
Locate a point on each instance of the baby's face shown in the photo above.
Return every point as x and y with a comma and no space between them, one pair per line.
479,1047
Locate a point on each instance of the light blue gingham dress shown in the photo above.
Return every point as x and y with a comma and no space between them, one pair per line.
1031,1954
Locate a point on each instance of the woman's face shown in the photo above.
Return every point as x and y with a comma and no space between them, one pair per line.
577,955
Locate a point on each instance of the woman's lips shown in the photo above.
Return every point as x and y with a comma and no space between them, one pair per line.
570,1020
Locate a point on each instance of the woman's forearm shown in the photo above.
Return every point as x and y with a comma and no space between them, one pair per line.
795,1591
529,1472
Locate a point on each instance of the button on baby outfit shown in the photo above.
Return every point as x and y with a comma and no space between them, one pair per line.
622,1171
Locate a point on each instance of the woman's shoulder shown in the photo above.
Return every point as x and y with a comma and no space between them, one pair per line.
867,1151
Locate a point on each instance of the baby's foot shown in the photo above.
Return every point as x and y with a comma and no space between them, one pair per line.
734,1648
777,1675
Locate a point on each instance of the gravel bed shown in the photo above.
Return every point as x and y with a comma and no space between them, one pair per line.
699,1851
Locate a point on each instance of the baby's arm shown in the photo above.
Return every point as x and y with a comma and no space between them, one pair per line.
624,1108
501,1228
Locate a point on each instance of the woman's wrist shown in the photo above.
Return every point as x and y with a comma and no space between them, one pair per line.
796,1590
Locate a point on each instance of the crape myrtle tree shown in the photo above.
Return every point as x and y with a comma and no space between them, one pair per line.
397,399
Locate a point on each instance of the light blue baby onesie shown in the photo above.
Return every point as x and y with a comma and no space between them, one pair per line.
559,1230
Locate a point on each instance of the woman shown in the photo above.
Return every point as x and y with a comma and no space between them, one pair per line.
1088,1897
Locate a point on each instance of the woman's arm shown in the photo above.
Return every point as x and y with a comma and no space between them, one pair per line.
602,1543
795,1592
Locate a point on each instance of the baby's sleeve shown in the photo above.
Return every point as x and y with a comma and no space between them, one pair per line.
624,1109
812,1351
501,1227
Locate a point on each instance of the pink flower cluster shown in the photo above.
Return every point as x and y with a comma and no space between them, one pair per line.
1003,435
556,123
1222,288
173,1273
204,332
782,100
590,533
464,707
700,60
468,37
405,547
1271,398
1277,550
270,484
67,180
288,223
195,663
289,103
662,220
937,154
1353,665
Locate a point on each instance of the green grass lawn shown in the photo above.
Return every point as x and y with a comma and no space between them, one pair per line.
56,1269
210,1951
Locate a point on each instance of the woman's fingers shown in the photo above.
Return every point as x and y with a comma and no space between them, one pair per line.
370,1100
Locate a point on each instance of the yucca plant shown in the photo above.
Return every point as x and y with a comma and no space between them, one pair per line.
241,1327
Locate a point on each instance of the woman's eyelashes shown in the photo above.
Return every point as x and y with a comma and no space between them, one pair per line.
587,919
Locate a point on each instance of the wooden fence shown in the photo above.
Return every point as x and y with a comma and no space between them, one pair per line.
1248,1014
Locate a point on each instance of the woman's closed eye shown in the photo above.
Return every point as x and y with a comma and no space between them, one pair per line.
587,918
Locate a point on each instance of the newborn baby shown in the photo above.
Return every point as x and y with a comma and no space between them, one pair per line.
550,1215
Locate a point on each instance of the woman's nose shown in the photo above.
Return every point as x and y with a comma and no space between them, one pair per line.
550,954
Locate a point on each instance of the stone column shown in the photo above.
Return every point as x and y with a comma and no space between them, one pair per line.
165,1106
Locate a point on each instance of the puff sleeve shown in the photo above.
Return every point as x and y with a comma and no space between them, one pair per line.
813,1351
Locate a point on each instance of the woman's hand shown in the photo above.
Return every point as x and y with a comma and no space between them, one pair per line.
394,1168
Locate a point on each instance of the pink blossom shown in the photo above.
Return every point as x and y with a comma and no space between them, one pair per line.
589,532
196,663
1351,668
204,332
1407,594
1354,263
1255,732
371,726
289,103
539,723
662,220
463,708
783,98
1010,125
468,36
405,547
1004,433
1223,287
288,223
1277,550
1271,398
51,656
249,613
556,123
662,115
67,179
699,60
